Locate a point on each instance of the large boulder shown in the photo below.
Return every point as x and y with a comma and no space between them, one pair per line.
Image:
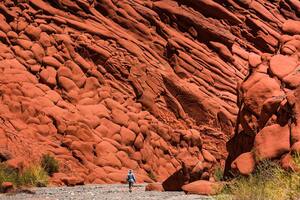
281,65
257,89
202,187
271,142
154,187
176,181
72,181
244,163
268,119
291,26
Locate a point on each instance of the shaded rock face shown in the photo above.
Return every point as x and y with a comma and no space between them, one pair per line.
268,119
106,85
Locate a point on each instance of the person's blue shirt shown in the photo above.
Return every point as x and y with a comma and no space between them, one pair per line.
130,177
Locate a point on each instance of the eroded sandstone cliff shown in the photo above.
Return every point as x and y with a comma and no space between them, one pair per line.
107,85
268,119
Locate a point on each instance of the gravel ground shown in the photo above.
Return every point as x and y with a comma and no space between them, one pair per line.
100,192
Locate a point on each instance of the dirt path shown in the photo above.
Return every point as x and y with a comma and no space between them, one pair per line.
101,192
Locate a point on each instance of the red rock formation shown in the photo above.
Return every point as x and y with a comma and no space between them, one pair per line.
154,187
202,187
268,114
105,85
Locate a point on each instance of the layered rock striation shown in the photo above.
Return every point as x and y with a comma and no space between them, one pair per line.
268,121
107,85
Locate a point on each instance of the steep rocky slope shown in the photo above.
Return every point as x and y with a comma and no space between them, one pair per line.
107,85
268,119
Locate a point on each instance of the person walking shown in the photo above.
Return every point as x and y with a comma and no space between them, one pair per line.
130,179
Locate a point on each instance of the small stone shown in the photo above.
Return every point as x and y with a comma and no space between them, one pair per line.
6,187
154,187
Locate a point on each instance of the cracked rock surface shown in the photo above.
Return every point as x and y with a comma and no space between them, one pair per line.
106,85
268,119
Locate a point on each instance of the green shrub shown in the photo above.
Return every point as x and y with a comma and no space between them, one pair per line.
296,159
8,174
268,182
50,164
218,173
34,175
151,175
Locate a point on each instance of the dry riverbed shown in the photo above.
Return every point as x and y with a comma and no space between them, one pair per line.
100,192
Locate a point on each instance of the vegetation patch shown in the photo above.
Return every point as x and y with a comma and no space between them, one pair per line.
50,164
218,173
151,175
34,175
268,182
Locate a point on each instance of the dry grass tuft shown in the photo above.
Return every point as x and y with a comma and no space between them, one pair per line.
268,182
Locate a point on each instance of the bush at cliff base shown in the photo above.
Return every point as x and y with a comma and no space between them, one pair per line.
50,164
33,175
268,182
